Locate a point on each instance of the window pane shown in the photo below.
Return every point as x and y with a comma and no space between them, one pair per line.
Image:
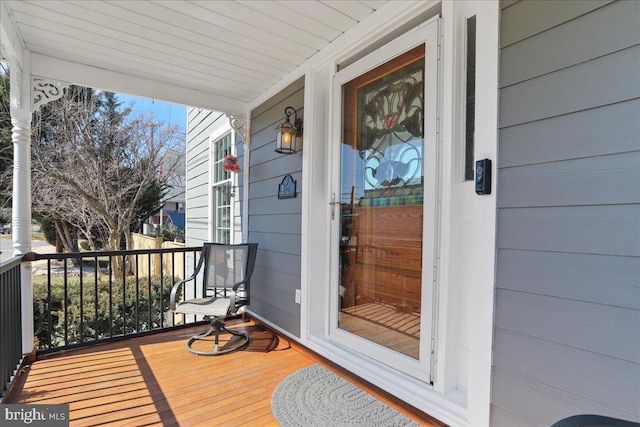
222,149
223,212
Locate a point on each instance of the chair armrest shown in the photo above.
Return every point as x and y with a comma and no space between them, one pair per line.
237,285
232,296
176,286
174,292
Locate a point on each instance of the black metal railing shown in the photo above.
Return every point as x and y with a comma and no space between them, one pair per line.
10,322
90,297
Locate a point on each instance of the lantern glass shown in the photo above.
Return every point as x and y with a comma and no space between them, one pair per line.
286,138
287,133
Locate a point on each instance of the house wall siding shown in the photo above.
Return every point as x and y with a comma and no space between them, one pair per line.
276,225
567,316
200,125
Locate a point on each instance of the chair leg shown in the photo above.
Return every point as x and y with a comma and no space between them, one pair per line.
215,329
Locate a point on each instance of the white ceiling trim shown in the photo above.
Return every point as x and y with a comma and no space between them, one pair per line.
85,75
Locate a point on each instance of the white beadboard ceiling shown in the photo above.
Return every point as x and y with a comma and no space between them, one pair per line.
233,50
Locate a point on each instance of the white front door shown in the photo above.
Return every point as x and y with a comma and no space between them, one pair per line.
384,203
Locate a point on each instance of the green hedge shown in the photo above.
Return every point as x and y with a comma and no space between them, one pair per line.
109,322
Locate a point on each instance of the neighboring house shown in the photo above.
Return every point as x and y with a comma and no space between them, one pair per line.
177,219
174,203
507,295
174,200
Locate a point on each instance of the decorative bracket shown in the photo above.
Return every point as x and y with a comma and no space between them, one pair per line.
239,124
46,90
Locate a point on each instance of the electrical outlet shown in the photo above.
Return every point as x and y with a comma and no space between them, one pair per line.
297,296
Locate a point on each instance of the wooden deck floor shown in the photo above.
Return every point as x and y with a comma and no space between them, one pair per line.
154,380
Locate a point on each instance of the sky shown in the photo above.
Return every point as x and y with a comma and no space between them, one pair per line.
164,111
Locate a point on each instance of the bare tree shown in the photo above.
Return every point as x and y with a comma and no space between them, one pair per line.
6,145
93,163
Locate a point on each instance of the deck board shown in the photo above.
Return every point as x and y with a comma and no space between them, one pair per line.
155,381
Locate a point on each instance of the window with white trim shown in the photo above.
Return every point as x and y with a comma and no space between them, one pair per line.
223,188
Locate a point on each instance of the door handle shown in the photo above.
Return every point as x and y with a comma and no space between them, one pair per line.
333,204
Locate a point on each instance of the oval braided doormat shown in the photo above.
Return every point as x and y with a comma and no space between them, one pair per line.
316,397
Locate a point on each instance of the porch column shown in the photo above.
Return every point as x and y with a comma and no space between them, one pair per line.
21,208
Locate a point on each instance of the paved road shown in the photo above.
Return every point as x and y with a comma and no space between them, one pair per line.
6,247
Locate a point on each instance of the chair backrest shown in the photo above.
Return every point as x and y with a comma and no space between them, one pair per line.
227,265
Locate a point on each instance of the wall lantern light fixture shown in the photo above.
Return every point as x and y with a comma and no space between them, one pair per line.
288,133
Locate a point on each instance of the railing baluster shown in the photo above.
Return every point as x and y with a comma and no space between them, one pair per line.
49,307
124,295
149,327
6,332
137,296
173,280
95,299
161,291
81,304
110,296
65,304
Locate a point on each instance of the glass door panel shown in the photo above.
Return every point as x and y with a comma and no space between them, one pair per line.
381,200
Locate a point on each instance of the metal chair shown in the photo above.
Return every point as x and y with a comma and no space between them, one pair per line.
225,288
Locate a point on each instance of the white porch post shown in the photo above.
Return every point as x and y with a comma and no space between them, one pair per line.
20,97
